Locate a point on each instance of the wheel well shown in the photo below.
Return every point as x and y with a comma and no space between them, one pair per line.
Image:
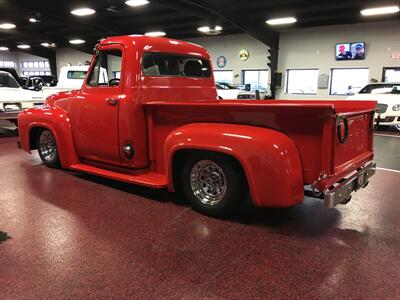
181,156
32,136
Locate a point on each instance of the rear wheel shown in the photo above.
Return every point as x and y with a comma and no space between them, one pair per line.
214,184
47,148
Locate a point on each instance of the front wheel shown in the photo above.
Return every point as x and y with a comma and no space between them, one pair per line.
396,127
214,184
47,148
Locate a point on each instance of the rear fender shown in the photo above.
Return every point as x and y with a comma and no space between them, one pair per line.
56,120
269,158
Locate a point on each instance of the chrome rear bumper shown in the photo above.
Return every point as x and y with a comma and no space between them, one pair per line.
341,192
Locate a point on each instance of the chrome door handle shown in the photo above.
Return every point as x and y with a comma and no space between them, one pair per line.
112,101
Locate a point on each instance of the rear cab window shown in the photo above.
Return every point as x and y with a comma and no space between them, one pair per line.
76,74
165,64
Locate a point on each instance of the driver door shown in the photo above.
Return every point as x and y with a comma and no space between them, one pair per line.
94,114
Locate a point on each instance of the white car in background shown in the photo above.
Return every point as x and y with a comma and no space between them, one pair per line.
229,91
13,98
70,78
388,97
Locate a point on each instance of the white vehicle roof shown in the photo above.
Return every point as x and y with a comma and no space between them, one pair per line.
75,68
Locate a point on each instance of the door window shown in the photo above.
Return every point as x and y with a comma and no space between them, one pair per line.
107,67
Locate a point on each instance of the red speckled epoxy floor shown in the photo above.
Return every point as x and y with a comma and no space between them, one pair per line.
76,236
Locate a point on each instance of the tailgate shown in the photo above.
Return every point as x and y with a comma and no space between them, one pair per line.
352,142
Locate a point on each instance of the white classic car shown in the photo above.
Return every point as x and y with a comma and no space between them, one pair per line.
13,98
388,97
229,91
70,78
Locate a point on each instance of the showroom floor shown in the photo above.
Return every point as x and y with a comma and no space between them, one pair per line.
77,236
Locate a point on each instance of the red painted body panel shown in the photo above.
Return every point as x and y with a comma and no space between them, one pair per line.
281,145
269,158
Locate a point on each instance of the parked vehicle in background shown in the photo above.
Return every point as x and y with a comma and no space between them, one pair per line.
13,72
37,82
388,97
70,78
14,99
158,123
229,91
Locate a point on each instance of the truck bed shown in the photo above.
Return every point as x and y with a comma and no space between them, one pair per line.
311,124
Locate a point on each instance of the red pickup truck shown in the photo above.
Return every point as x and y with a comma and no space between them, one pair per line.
156,121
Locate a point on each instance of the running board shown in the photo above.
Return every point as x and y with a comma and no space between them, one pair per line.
150,179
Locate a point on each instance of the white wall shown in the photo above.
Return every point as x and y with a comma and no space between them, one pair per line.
315,48
230,46
74,57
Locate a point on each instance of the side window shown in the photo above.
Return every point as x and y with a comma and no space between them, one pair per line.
107,69
164,64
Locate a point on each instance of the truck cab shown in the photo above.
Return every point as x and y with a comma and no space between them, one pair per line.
148,114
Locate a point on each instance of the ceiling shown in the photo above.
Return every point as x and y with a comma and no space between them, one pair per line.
178,18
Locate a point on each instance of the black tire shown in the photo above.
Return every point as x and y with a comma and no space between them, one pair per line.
47,148
214,184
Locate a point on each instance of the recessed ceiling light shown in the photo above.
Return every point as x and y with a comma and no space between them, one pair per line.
281,21
136,2
3,48
210,31
84,11
155,33
7,26
77,41
24,46
380,11
33,20
48,45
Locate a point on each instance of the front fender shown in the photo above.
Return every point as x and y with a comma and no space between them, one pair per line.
270,159
57,121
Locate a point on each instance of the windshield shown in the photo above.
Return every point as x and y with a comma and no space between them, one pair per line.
6,80
382,88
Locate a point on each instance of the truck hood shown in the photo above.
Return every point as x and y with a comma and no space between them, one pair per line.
20,95
60,99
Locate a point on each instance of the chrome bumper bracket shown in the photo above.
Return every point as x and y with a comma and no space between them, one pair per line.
341,192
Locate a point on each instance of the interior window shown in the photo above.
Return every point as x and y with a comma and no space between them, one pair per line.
257,79
391,74
302,81
107,69
223,76
162,64
348,81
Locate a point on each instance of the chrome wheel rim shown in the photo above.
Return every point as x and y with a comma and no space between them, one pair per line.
208,182
48,146
397,127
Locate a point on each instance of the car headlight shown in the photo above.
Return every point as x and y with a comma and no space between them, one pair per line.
396,107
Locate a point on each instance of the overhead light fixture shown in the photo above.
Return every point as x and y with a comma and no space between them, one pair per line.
33,20
210,31
48,45
77,41
281,21
380,11
84,11
23,46
155,33
3,48
7,26
135,3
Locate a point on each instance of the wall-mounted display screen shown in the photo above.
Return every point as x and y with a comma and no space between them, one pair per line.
350,51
